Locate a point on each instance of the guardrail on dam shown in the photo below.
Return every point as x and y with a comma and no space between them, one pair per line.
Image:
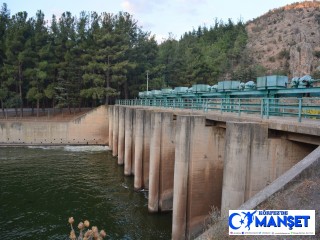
192,160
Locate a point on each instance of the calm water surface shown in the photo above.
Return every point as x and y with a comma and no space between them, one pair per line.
41,187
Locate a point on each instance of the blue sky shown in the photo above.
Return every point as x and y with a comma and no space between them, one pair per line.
160,17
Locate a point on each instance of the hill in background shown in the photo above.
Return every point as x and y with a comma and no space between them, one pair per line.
287,40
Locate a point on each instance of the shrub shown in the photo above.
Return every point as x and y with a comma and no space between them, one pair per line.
316,54
284,53
272,59
257,29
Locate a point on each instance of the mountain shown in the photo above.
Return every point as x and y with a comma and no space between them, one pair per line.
287,40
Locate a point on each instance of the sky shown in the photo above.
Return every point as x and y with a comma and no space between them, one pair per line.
160,17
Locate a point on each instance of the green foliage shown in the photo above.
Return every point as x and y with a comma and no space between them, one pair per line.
95,58
284,54
316,54
203,56
73,62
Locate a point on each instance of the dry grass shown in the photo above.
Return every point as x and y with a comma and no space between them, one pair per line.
303,194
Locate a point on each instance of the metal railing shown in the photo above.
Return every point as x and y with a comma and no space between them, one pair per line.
265,107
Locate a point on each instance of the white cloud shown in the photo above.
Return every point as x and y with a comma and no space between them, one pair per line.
127,6
138,6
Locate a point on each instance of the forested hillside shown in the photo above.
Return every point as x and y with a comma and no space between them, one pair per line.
91,59
74,61
205,55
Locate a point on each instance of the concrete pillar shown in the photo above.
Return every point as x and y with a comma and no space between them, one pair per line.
110,114
115,132
107,124
121,135
199,161
142,148
257,173
162,146
245,163
205,167
138,148
146,148
168,135
128,156
155,155
181,171
133,140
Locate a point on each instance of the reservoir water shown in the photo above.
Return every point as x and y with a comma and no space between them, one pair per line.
42,187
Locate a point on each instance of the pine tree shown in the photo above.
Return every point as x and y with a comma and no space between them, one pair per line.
4,20
39,71
67,76
18,52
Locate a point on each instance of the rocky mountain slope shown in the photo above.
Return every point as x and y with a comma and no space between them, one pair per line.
287,40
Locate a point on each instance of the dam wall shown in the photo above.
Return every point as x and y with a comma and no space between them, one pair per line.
90,128
191,161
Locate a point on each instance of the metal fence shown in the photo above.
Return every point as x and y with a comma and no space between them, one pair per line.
265,107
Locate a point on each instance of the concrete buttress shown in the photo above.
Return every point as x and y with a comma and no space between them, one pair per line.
110,115
138,148
167,161
115,132
162,147
142,148
181,171
245,163
128,145
198,161
121,135
155,155
146,148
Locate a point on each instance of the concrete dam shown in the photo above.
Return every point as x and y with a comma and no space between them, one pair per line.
188,160
191,161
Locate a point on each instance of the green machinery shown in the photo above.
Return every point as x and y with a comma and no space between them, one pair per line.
274,86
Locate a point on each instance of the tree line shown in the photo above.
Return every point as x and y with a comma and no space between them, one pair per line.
73,61
92,59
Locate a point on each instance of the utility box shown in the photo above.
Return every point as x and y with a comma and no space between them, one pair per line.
221,86
200,88
235,85
277,82
166,91
148,94
181,90
272,82
141,95
156,93
229,85
262,83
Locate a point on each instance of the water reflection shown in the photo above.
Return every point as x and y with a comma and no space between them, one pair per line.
41,187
